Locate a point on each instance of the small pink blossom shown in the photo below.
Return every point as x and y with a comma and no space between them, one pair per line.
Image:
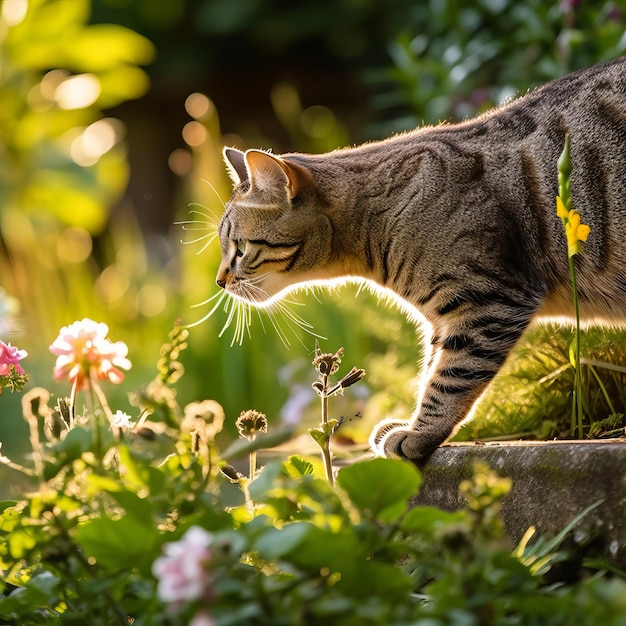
182,571
83,348
10,355
202,618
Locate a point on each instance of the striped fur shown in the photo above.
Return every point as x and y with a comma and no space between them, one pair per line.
458,221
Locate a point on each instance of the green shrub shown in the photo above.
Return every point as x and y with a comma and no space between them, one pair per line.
146,522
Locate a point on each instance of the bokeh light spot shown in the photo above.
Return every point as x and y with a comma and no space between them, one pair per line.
198,105
112,284
74,245
194,134
317,121
50,83
180,162
97,139
77,92
13,12
151,300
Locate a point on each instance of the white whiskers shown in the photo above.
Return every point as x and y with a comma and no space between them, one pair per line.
239,315
209,225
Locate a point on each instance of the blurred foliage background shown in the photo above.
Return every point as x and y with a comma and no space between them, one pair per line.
113,114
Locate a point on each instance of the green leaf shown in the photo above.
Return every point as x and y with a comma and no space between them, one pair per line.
296,466
337,551
25,600
139,472
77,441
266,481
118,543
100,47
319,436
138,508
380,487
427,519
380,579
20,542
10,518
276,543
124,83
6,504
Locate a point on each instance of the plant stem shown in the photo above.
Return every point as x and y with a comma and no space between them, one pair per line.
603,389
97,441
35,443
5,460
102,399
73,403
326,455
328,464
252,465
578,387
324,398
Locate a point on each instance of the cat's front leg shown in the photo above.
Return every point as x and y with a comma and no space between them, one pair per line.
463,364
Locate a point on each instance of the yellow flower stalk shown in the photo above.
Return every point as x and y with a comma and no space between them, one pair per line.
575,232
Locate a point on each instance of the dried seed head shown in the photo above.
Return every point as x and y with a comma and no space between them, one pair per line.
327,364
250,424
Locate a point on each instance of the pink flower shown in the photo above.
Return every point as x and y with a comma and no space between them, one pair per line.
10,355
82,348
202,618
182,570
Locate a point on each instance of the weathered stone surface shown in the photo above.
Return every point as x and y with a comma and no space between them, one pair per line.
552,482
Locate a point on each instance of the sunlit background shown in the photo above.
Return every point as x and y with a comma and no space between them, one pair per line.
113,114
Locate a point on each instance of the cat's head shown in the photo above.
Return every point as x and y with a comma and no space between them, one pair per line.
274,233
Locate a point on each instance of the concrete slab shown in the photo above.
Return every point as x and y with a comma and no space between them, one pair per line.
552,482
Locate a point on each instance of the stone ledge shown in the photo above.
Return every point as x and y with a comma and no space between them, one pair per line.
552,482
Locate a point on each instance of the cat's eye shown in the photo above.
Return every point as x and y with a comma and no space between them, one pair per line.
241,247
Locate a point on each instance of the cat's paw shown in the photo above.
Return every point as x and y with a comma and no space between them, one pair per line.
386,438
395,439
382,430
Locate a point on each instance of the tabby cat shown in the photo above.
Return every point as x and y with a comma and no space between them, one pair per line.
458,221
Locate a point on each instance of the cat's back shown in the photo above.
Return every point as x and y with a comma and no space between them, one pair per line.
583,102
589,104
499,170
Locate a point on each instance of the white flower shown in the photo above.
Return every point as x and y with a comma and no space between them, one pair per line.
182,571
122,420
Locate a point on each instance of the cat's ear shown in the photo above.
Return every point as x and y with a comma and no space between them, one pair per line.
268,171
236,164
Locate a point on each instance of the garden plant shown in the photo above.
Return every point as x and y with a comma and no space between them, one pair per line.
144,520
131,506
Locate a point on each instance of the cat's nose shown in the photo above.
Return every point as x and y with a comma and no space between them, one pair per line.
222,274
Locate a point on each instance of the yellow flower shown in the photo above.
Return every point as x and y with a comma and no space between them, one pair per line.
561,209
575,232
